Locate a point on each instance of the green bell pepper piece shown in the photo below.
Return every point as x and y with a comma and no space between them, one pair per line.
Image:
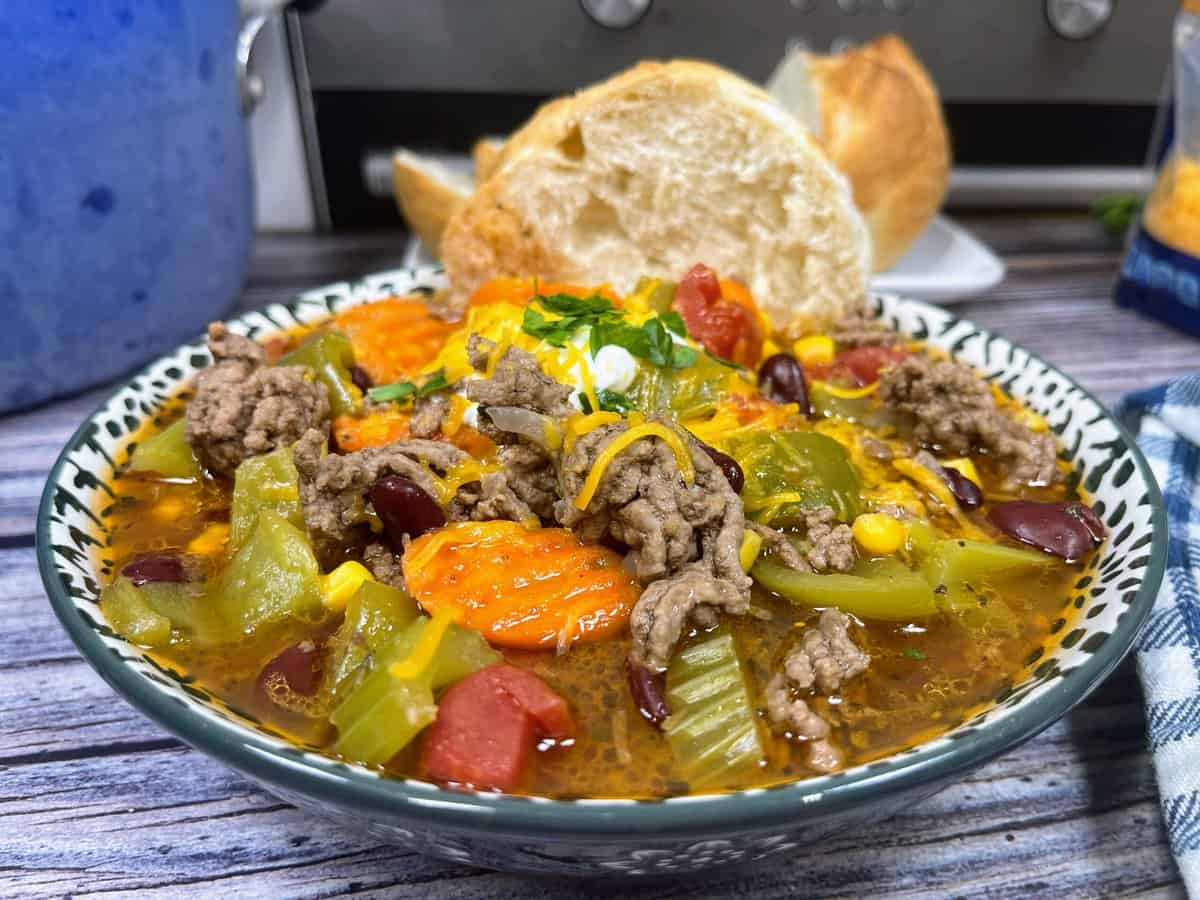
813,466
168,454
263,482
273,577
331,356
131,615
877,589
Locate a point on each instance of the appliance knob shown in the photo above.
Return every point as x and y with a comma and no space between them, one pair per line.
1078,20
615,14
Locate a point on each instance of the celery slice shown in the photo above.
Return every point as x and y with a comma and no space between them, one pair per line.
383,713
262,482
381,717
713,728
168,454
374,616
129,613
272,578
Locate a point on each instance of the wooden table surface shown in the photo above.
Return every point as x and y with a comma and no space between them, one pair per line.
95,799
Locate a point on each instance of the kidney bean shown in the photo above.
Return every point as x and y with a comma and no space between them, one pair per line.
404,507
1061,529
965,491
781,377
647,691
1088,516
299,665
362,380
727,464
162,567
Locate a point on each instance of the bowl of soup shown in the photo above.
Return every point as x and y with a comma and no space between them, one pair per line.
576,582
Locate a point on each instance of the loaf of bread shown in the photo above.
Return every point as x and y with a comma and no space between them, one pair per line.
875,111
663,166
428,194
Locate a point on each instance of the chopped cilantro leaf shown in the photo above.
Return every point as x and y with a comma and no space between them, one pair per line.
566,305
913,653
574,312
620,334
674,322
683,356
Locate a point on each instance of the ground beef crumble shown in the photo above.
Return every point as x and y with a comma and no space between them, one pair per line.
244,408
822,661
953,411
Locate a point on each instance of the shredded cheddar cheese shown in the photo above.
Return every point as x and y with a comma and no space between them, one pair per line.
683,459
580,424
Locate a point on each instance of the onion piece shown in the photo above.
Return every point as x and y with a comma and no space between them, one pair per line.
534,427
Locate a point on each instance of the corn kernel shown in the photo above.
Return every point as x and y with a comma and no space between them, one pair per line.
964,467
770,348
814,350
751,544
879,534
210,541
1032,421
168,510
343,583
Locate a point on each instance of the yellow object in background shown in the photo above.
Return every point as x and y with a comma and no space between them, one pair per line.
1173,210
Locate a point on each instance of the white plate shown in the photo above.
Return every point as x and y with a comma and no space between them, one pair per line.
947,264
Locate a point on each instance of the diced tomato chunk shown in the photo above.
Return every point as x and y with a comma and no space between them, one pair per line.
727,328
549,710
863,364
481,737
486,727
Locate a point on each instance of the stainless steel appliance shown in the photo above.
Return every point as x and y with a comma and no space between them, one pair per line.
1055,98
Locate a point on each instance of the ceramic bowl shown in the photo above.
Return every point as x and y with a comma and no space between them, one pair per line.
1100,617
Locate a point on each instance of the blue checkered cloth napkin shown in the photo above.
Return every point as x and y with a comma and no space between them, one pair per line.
1167,422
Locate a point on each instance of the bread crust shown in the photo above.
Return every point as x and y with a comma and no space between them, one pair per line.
882,125
492,236
427,195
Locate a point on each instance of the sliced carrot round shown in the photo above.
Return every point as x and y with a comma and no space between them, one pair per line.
394,339
520,291
526,588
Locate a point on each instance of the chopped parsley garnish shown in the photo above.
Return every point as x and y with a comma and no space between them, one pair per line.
399,391
575,312
650,341
913,653
674,322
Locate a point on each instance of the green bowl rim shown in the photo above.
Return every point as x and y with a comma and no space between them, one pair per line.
784,806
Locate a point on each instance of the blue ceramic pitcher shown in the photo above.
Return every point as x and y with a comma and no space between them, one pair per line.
126,208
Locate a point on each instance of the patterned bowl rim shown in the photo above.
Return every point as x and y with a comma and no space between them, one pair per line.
367,794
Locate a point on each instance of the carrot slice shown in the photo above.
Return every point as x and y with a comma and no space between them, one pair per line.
376,428
394,339
522,588
520,291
